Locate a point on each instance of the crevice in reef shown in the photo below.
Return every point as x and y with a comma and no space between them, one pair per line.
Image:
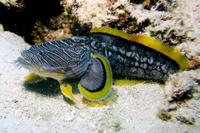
21,17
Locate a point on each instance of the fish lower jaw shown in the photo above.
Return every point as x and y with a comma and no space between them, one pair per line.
56,76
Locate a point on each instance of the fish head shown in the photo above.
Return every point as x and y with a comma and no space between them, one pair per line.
52,57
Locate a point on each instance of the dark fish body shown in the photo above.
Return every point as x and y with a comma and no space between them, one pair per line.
128,60
103,55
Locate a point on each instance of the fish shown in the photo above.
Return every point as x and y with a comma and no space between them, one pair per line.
97,59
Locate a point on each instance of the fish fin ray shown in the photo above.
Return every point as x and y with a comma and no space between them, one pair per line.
97,81
67,91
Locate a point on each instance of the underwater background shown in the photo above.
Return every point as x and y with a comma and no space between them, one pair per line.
142,107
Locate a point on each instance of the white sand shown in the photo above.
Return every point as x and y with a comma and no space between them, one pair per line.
130,108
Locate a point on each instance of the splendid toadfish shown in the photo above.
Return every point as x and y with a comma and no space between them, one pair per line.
97,59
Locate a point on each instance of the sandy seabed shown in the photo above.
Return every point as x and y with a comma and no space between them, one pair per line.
31,108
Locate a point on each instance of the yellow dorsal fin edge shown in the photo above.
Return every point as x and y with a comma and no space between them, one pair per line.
170,52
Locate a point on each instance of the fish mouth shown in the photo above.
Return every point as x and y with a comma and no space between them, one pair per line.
24,62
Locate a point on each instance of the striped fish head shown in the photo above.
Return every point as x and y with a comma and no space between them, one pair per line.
35,58
50,58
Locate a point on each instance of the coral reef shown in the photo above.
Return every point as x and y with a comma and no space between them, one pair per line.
182,95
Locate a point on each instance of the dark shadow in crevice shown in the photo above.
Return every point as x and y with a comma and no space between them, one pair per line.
22,20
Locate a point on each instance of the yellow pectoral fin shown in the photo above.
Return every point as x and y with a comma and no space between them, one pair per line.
93,78
98,95
67,91
31,76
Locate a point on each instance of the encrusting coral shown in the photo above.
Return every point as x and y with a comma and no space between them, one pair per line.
182,95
